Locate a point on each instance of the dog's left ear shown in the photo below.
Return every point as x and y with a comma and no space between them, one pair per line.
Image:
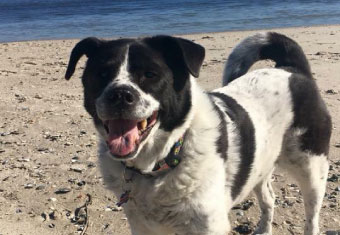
88,47
177,50
193,55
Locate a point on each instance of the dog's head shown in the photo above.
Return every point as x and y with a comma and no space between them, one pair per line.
133,87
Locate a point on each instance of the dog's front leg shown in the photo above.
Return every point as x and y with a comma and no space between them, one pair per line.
205,211
144,225
209,218
215,227
138,228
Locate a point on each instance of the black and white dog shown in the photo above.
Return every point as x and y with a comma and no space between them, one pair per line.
179,158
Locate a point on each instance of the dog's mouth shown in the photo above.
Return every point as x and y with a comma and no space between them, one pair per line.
125,135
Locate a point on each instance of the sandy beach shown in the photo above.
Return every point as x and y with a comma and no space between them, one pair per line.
48,161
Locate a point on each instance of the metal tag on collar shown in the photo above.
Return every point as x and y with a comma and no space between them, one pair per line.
124,198
162,165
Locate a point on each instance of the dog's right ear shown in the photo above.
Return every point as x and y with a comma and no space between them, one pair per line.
180,51
86,47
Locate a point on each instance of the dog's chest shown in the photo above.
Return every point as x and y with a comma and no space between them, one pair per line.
160,206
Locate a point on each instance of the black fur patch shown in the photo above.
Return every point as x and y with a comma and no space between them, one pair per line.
310,114
177,58
101,68
170,86
286,53
222,141
247,140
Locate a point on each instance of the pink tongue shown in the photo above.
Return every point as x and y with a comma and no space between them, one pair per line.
123,135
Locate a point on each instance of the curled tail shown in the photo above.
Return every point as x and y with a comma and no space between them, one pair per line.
285,52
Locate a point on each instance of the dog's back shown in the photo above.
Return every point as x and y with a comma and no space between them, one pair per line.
289,117
309,111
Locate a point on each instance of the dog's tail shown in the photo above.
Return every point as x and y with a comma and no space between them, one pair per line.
285,52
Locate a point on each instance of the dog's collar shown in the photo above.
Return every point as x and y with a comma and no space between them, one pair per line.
171,161
173,158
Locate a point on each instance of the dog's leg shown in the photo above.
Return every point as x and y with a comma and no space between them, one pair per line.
266,198
311,173
312,179
141,230
139,227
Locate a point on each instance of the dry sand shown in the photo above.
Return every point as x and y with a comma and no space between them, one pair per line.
47,141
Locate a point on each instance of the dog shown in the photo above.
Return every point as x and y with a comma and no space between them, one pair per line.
179,158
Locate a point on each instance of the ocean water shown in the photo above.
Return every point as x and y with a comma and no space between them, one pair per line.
58,19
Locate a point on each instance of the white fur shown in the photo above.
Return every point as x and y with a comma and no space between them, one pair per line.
182,190
233,153
311,173
266,197
270,114
195,197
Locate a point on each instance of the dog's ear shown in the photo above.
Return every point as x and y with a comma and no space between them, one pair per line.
88,47
193,55
179,49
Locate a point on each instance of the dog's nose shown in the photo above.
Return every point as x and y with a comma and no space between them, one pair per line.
121,96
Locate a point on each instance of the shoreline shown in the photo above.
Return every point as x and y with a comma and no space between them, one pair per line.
182,34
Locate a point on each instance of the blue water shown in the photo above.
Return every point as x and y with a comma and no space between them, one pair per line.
56,19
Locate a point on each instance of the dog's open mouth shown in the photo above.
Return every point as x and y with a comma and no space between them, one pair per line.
124,135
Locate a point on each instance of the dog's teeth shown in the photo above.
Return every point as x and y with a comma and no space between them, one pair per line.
143,124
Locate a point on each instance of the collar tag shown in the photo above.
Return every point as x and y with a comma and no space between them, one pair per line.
124,198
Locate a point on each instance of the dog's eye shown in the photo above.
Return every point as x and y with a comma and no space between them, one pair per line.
149,74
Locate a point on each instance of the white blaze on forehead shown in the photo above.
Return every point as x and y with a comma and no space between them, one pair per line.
147,103
123,75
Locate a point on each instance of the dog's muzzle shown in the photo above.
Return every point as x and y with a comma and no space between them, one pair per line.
121,97
126,126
